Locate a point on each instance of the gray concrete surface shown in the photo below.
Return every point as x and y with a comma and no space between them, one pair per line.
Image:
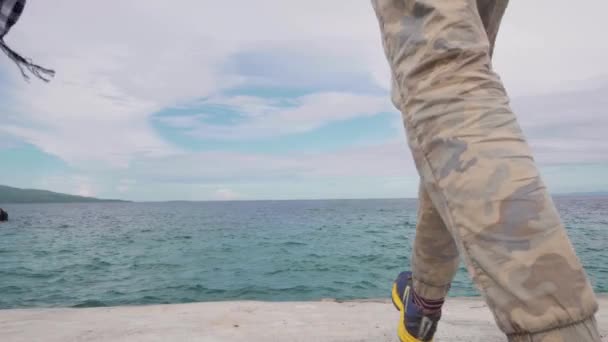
463,320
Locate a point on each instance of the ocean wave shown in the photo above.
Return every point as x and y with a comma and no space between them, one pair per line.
90,303
148,254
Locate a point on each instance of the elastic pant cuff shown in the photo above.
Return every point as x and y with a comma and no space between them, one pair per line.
431,292
583,331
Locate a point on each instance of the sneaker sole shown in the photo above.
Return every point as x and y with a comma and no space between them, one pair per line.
402,333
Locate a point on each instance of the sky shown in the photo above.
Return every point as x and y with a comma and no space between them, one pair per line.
270,99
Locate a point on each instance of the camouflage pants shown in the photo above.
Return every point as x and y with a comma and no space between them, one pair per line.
481,195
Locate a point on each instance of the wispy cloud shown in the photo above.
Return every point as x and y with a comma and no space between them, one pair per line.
119,66
76,184
227,195
567,127
271,117
389,159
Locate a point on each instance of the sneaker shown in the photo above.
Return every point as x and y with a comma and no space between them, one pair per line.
414,324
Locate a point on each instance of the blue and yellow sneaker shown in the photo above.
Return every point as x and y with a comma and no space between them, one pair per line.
414,324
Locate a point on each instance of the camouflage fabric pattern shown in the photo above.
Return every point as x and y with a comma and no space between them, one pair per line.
482,196
433,244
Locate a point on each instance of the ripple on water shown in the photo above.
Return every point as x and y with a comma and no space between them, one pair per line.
98,255
89,303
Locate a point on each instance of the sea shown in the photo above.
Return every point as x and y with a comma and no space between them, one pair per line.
108,254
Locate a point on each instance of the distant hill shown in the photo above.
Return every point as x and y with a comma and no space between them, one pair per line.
14,195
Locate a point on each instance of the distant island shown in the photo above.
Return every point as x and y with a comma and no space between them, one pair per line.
15,195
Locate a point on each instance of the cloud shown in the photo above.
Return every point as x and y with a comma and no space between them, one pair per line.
271,117
227,195
84,189
376,170
119,66
543,55
567,127
323,64
125,185
182,121
112,78
75,184
389,159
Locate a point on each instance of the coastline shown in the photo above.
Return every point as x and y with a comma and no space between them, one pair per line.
464,319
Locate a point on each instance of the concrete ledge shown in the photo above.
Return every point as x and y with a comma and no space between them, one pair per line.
464,319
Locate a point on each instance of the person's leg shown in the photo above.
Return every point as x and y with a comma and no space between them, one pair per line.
479,172
435,256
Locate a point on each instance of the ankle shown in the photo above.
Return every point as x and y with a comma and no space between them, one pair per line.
429,306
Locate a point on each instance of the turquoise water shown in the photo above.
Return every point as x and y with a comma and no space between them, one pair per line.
142,253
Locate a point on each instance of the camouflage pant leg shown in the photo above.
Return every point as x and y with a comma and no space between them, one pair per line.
435,256
479,172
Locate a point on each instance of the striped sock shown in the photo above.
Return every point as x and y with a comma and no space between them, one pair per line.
427,305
